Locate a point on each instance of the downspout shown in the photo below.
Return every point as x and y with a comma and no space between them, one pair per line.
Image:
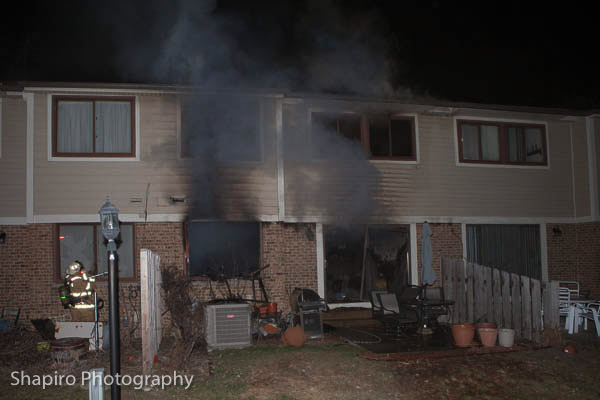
573,171
592,166
29,98
280,171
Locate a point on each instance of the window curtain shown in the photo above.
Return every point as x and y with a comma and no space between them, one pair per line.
470,143
516,152
490,149
113,127
512,248
75,133
534,144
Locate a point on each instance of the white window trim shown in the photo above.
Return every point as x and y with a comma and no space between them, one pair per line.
415,117
95,159
492,165
261,136
1,122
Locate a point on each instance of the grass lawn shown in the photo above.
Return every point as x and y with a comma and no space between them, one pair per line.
339,371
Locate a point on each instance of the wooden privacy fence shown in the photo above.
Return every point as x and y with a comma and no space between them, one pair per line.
485,294
151,299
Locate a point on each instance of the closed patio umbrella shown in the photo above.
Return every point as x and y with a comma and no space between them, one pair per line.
427,272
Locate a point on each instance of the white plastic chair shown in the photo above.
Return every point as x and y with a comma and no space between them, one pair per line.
564,303
571,286
590,312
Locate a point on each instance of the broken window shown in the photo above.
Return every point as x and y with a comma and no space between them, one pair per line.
392,137
512,248
360,260
381,136
86,244
326,125
226,249
225,128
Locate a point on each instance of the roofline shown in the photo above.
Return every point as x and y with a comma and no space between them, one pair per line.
400,99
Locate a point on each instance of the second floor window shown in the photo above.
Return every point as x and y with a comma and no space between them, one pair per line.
381,136
93,127
226,128
501,143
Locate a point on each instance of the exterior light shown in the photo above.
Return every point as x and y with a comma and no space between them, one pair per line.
109,220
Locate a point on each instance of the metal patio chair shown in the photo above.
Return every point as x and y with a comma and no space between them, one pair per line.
395,317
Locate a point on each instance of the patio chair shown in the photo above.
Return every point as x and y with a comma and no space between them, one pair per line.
394,316
375,303
591,311
564,302
434,304
571,286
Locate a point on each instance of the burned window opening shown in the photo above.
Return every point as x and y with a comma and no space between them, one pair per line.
361,259
224,128
380,136
223,249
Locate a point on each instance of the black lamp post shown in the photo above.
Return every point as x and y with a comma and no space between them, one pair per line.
109,222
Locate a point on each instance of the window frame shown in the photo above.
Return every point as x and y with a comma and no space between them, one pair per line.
187,246
365,134
93,99
260,138
502,126
57,267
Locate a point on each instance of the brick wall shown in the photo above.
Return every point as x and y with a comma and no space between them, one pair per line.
574,254
291,252
28,264
446,240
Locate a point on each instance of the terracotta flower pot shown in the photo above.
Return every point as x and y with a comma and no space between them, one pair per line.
488,336
483,325
463,334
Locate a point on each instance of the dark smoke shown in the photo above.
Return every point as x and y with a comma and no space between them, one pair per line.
313,46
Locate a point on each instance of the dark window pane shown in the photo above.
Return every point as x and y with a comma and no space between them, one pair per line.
224,128
228,248
379,136
350,127
512,248
324,127
402,140
125,252
76,243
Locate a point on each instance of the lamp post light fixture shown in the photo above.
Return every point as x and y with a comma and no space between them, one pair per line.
109,223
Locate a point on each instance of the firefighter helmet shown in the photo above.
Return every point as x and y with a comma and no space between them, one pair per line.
74,268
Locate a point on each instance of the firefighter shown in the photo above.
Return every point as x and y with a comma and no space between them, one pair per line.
79,287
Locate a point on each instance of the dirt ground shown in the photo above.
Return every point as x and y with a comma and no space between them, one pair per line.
328,369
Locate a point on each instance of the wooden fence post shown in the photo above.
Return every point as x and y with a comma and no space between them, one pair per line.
536,309
506,301
526,307
497,295
515,283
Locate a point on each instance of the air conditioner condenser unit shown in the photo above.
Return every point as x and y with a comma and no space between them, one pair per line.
228,326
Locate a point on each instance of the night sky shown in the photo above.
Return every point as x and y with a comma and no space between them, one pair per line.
478,52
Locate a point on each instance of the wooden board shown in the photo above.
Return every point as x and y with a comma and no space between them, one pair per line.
526,308
151,307
515,284
497,294
507,321
551,312
470,295
488,294
461,269
479,294
536,309
448,282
